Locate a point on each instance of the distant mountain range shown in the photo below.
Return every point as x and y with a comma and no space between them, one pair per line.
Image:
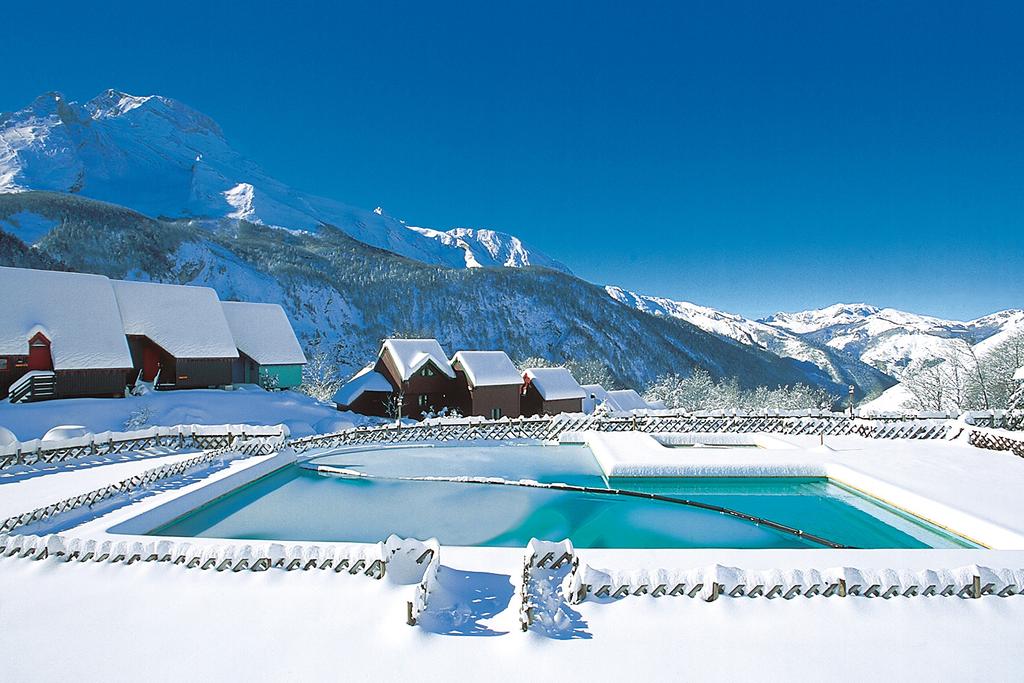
149,188
894,340
844,339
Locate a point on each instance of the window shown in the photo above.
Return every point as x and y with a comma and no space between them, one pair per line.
422,400
495,413
3,363
427,371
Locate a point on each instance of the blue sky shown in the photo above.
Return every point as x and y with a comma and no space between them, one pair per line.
749,156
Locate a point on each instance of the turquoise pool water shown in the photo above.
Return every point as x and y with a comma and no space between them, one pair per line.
298,504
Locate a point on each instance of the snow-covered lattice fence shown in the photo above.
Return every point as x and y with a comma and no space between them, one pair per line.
342,558
414,562
544,607
710,583
550,428
996,440
180,437
251,447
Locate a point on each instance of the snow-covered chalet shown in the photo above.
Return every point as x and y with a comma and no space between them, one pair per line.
60,336
411,374
65,335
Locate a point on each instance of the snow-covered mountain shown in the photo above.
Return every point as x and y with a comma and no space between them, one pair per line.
344,296
840,367
894,340
149,188
491,248
160,157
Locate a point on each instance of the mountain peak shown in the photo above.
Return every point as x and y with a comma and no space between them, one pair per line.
160,157
114,103
49,104
818,318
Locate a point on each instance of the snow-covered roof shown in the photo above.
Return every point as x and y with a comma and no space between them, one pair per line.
76,312
487,368
412,354
364,380
187,322
263,333
626,399
1019,374
554,384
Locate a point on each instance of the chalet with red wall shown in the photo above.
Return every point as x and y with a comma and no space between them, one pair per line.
418,372
60,336
178,335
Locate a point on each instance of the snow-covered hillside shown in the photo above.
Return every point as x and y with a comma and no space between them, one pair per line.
840,367
894,340
344,296
160,157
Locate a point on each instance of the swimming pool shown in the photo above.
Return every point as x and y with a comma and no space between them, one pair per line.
293,503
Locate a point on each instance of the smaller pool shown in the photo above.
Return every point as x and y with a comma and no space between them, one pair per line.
297,504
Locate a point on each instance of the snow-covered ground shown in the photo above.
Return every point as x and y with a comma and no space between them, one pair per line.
167,622
163,623
892,399
247,404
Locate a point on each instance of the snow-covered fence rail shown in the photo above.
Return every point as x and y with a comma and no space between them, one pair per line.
342,558
710,583
199,437
993,419
548,428
257,446
414,562
996,441
544,607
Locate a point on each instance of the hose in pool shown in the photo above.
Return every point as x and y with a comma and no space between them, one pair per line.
330,470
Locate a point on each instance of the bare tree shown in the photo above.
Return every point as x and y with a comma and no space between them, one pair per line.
967,379
393,404
320,377
927,385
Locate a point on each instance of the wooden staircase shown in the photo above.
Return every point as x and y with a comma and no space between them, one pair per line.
35,385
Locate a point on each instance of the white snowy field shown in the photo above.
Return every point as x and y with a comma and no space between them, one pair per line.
160,621
247,404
